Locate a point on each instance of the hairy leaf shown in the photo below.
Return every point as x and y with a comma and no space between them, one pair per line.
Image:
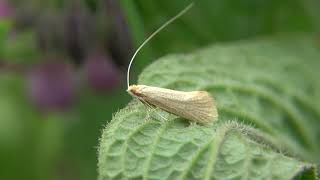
268,96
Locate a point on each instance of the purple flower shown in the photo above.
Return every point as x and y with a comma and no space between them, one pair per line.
51,86
5,9
101,73
78,30
119,37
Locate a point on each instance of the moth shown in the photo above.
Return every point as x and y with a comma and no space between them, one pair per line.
197,106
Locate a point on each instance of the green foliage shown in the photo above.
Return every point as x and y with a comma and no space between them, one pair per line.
29,142
219,20
269,84
17,47
5,27
20,48
211,21
83,127
55,146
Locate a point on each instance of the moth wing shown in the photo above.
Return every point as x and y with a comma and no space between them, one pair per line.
197,106
200,107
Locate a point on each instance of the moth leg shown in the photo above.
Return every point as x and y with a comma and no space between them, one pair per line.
162,117
147,117
149,109
148,112
152,107
146,104
192,123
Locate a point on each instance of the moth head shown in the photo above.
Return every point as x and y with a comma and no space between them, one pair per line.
135,90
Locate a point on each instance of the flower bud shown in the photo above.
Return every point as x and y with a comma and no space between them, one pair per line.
101,73
51,86
6,9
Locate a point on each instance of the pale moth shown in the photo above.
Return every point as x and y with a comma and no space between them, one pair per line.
196,106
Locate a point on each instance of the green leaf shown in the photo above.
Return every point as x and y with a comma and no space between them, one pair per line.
29,141
5,26
20,48
220,20
268,98
89,114
213,21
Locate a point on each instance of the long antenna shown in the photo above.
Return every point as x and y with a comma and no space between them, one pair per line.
153,34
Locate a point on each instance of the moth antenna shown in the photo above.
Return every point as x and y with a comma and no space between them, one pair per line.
155,33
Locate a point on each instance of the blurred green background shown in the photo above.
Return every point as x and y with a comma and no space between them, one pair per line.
63,63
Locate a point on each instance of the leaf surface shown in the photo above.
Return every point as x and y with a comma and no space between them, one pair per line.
268,96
